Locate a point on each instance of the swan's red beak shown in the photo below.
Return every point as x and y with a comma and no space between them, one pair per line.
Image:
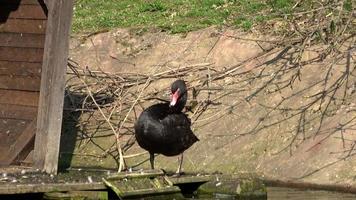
174,98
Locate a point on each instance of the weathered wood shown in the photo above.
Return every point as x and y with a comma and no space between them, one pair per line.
144,192
21,2
138,187
142,174
10,130
77,195
17,131
156,191
23,98
8,111
23,11
21,54
24,26
49,187
20,68
52,85
188,179
22,40
21,142
20,83
25,153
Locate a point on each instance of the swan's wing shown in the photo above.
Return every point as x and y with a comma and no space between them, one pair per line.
178,133
176,119
161,132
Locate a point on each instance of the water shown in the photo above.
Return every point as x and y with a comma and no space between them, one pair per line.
280,193
273,193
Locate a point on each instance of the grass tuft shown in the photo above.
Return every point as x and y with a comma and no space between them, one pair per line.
155,6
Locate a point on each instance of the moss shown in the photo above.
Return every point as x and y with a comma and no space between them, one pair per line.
234,185
251,187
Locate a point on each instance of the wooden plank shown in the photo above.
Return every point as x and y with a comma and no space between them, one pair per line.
141,174
180,180
10,130
24,26
23,2
79,195
20,68
23,11
8,111
49,187
20,83
21,54
141,186
23,98
22,40
21,142
52,85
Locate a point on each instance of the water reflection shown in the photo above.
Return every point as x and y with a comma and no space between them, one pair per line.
280,193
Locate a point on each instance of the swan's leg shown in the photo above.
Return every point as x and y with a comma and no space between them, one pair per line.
152,160
180,162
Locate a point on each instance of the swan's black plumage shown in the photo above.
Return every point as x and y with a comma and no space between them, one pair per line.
159,131
163,128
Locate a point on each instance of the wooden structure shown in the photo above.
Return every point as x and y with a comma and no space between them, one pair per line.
124,184
33,55
153,182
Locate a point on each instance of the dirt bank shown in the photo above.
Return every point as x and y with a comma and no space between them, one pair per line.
254,110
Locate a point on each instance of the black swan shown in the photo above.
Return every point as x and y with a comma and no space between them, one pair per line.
164,129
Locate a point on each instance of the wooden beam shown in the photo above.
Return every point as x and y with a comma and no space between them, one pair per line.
51,99
49,187
15,149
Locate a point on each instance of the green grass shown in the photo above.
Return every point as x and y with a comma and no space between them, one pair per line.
174,16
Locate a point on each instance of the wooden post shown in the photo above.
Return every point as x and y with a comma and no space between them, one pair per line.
49,120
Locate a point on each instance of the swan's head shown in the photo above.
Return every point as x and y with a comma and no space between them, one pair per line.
179,94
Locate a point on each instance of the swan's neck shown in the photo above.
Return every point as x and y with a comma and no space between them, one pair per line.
176,109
